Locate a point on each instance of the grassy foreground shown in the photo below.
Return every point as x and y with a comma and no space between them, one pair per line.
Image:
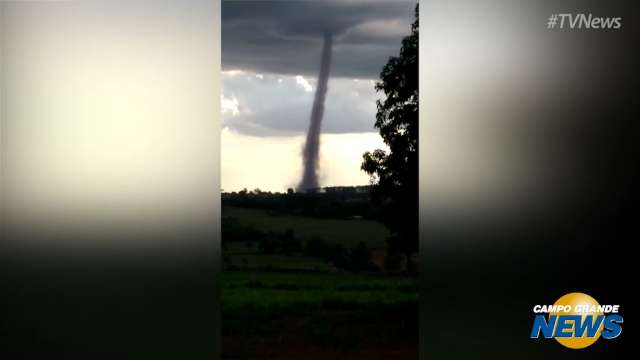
327,314
291,292
298,306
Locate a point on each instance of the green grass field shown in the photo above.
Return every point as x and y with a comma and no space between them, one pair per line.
293,291
292,306
338,314
346,232
248,260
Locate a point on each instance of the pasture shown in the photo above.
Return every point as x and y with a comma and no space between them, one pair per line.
345,232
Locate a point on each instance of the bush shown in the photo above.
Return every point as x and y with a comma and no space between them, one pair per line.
340,257
317,247
361,258
412,265
393,262
269,244
290,244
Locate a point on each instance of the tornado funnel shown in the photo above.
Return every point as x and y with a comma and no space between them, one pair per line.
311,150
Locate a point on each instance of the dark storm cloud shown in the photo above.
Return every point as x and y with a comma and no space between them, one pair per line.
286,36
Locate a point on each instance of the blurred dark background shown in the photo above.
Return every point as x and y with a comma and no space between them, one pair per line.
79,303
549,116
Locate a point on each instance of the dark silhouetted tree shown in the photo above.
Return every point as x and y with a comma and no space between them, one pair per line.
394,173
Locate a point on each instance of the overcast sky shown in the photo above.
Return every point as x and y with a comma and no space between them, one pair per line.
270,62
284,37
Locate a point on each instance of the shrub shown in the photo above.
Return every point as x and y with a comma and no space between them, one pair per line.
393,262
317,247
290,244
269,244
340,257
361,258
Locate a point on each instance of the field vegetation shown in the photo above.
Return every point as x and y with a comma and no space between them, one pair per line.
297,283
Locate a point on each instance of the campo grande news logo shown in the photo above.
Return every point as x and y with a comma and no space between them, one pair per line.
576,320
